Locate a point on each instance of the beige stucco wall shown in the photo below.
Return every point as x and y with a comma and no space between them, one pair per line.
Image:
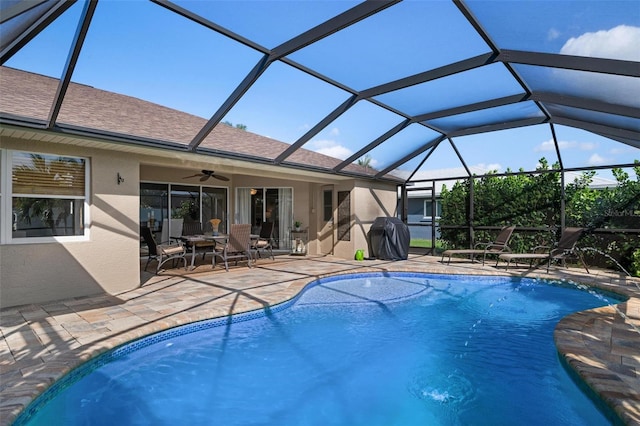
108,262
368,201
373,200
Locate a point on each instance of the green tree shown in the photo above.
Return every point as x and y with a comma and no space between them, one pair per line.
365,161
516,199
533,200
237,126
610,208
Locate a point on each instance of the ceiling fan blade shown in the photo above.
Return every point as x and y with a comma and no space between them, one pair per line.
206,174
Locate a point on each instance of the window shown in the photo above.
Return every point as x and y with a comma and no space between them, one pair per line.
428,209
327,205
48,196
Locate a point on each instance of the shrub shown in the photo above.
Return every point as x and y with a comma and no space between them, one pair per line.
534,200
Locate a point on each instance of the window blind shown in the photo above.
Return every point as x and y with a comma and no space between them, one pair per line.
41,174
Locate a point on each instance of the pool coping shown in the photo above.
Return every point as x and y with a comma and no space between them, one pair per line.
611,370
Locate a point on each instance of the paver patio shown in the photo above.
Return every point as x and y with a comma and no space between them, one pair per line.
40,343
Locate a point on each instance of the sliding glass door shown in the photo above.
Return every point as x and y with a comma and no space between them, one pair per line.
257,205
195,205
214,206
154,205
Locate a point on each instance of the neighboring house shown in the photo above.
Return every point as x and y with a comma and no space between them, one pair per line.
419,216
72,204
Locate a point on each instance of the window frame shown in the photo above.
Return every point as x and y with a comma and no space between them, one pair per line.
7,196
438,204
201,187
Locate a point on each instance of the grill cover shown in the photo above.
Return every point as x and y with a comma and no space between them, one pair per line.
389,239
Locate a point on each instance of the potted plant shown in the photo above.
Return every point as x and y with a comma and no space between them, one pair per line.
297,224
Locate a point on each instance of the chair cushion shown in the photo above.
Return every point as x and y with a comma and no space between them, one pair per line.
171,250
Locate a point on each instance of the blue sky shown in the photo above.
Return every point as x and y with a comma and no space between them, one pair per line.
140,49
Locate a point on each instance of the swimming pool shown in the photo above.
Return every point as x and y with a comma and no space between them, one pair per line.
398,349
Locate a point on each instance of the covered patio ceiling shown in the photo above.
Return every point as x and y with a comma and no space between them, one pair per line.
401,87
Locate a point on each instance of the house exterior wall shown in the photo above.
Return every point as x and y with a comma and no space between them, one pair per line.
369,200
107,262
419,225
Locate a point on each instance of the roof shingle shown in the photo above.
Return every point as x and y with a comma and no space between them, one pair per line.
31,96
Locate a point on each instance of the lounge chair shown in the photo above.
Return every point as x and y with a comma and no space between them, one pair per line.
264,241
493,247
565,247
162,253
237,246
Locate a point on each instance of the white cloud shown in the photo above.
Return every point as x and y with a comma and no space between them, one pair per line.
545,146
553,34
620,150
567,144
334,132
331,148
488,167
596,160
620,42
549,146
588,146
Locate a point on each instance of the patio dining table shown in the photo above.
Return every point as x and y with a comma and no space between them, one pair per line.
220,238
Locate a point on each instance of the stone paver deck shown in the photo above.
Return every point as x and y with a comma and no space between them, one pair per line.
40,343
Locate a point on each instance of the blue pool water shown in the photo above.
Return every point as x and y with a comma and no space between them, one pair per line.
400,349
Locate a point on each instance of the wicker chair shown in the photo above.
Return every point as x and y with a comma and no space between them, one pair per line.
237,246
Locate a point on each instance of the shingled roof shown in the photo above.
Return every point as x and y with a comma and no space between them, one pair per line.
90,108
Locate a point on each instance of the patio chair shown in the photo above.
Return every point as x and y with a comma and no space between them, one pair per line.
162,253
176,230
236,247
264,241
484,248
564,248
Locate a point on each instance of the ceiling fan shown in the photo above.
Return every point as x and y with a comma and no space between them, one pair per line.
206,174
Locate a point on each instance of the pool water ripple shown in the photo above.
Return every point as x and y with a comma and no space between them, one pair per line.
406,349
